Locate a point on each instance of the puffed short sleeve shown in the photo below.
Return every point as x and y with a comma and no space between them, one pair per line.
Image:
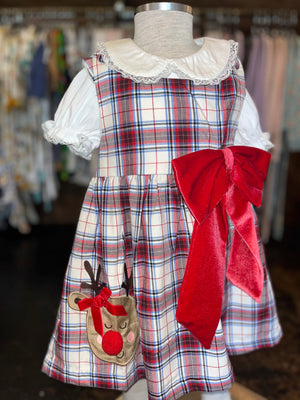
77,121
249,132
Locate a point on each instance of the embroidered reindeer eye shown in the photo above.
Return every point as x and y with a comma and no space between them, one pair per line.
108,327
123,325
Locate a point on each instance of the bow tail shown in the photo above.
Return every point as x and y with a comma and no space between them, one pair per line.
244,268
96,313
201,294
97,320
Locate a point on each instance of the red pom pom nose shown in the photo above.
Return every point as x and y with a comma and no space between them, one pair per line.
112,343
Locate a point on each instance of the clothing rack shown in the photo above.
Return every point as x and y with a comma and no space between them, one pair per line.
65,14
242,18
249,19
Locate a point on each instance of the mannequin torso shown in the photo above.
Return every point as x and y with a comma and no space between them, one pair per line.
164,33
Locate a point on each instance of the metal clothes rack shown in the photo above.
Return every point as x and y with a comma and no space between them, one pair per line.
246,19
242,18
59,15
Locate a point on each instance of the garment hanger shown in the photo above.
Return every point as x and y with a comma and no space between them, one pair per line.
164,6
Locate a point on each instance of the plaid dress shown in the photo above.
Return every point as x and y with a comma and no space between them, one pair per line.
134,213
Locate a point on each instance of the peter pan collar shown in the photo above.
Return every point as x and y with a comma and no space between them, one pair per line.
212,63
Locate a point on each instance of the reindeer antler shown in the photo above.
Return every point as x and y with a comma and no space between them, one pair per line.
97,288
128,281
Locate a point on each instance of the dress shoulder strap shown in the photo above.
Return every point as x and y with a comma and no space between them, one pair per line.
94,65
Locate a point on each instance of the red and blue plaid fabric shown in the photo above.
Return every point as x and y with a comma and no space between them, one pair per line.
134,213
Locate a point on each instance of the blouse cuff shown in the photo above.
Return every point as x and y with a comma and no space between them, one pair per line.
249,131
80,144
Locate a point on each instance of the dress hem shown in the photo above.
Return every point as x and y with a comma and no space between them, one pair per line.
194,387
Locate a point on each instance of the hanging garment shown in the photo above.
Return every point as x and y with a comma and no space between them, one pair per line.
290,133
34,66
23,107
152,110
274,124
291,113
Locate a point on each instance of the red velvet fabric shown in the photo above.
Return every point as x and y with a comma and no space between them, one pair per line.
101,300
217,184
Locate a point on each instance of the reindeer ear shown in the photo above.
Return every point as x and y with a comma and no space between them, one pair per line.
74,298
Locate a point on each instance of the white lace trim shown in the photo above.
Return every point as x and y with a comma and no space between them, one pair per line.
84,148
169,67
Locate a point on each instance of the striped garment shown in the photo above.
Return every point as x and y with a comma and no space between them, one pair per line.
134,213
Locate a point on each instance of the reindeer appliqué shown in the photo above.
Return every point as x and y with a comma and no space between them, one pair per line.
112,324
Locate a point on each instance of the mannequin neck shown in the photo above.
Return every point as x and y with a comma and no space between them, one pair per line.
166,34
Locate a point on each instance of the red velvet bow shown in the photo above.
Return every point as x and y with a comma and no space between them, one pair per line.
217,184
101,300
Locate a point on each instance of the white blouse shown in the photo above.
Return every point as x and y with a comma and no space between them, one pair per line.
77,121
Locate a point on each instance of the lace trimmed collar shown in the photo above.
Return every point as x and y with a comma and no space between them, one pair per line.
212,63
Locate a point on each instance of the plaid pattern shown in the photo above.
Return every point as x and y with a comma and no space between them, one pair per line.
133,212
146,126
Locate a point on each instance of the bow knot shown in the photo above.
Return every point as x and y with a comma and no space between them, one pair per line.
229,159
217,185
96,303
103,296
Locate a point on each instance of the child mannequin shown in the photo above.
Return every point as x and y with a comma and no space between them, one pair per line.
147,120
166,32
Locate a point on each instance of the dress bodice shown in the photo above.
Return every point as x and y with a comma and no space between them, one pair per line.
146,125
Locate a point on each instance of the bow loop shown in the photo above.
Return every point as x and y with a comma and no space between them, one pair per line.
202,180
250,171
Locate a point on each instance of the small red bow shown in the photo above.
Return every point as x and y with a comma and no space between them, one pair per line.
101,300
217,184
